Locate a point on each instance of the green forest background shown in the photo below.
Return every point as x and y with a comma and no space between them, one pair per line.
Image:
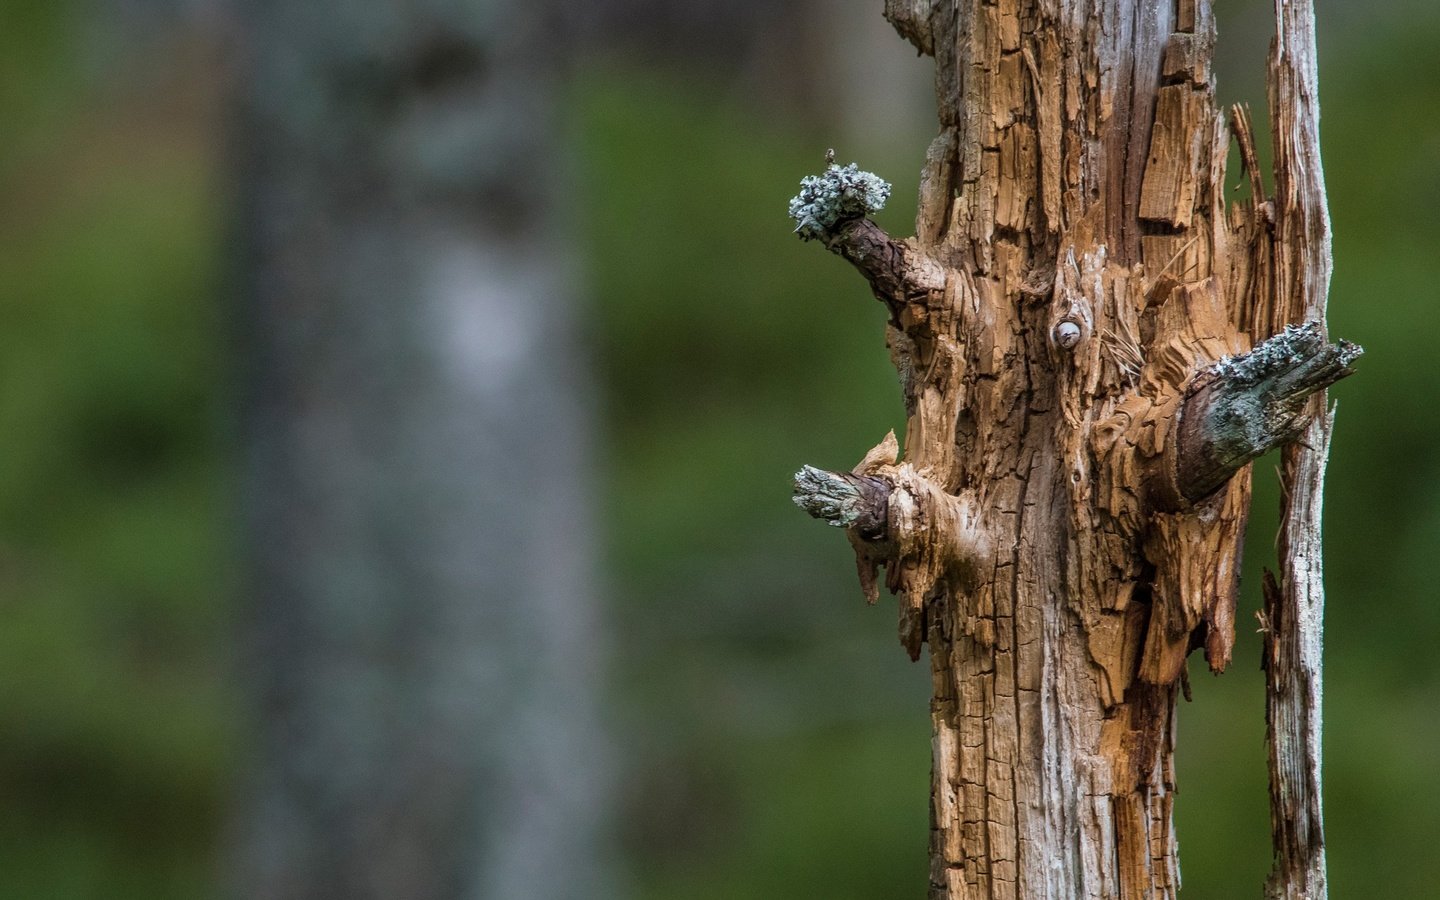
773,734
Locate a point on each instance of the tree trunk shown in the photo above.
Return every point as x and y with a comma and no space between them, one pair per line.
1092,348
1295,604
423,631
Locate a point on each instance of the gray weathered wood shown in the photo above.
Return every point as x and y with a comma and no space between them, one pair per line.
1247,405
1293,644
844,500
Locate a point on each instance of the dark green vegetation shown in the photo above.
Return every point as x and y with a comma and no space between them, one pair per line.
115,726
775,734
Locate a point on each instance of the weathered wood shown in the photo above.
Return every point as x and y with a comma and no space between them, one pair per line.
844,500
1073,326
911,20
1250,404
832,208
1293,643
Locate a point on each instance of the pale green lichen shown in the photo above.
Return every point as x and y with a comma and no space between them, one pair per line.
828,496
1286,350
842,192
1298,353
1257,401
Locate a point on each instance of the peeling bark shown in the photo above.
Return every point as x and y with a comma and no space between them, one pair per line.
1073,325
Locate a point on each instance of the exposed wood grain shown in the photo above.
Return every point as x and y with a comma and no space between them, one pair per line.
1293,645
1168,192
1073,328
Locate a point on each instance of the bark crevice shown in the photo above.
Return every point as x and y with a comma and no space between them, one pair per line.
1094,345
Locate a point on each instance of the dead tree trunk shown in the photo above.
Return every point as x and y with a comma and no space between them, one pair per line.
1093,347
1294,605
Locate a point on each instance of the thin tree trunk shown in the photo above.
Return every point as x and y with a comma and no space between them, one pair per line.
423,629
1093,348
1295,606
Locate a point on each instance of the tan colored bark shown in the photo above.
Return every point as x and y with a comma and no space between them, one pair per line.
1077,294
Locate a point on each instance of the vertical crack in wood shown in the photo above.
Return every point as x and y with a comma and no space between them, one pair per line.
1073,328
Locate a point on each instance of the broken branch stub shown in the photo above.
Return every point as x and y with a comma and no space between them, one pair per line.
844,500
1244,406
833,208
896,517
838,194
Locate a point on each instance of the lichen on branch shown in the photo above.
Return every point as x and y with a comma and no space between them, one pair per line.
833,208
1067,523
1248,404
844,500
839,193
898,518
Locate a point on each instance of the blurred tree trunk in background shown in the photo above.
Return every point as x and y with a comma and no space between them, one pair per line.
423,627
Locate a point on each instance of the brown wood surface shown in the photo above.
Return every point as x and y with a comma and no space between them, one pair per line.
1078,295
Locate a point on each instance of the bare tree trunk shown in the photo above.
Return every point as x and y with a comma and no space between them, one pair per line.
1294,606
1093,348
424,630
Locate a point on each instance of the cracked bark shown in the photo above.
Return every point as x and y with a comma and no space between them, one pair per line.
1093,347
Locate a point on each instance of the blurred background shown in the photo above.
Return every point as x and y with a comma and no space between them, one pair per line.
436,371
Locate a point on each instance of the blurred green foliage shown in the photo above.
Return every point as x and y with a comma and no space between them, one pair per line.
113,722
776,739
791,730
